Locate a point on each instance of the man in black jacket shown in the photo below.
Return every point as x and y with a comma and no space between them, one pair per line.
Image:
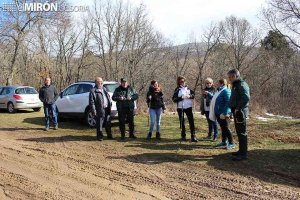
239,102
100,104
125,96
48,95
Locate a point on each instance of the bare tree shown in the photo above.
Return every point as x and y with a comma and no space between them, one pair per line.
204,49
284,16
241,40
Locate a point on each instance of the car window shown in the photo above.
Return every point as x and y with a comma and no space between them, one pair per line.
111,87
6,90
25,90
71,90
84,88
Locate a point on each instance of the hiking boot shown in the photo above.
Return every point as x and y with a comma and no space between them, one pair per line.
183,139
221,145
194,139
208,137
122,136
132,136
230,146
46,129
157,136
56,127
149,136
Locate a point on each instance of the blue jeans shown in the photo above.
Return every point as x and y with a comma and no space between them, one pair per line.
212,126
50,112
155,116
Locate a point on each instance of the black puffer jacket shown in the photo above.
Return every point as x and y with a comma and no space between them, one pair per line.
155,98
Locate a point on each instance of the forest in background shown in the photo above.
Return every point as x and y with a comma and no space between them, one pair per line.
117,39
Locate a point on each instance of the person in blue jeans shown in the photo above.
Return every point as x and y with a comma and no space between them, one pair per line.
207,95
155,102
48,95
220,111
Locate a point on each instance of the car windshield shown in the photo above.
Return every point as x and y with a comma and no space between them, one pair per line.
26,90
111,87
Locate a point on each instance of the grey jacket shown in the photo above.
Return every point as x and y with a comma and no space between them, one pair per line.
48,94
96,102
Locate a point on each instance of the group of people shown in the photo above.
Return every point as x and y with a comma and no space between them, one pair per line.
219,104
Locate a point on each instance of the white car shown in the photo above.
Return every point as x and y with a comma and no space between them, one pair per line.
14,98
74,101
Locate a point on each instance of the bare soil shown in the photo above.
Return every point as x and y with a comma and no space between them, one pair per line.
58,165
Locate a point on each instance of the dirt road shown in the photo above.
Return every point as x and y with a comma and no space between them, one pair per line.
39,165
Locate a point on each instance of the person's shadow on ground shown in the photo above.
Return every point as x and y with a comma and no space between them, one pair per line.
274,166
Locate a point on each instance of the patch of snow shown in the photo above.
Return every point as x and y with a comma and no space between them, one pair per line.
278,116
263,119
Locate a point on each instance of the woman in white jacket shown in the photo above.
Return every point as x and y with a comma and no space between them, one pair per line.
184,97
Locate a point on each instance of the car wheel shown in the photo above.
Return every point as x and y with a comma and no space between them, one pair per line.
36,109
90,119
11,108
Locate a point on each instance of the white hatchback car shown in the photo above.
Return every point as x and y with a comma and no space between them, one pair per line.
74,101
14,98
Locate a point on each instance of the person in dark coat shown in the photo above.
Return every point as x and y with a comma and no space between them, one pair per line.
239,104
184,97
48,95
156,105
100,104
125,95
207,95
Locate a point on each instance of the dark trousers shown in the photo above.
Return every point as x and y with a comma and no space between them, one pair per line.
190,116
105,122
123,115
226,132
50,113
240,127
212,126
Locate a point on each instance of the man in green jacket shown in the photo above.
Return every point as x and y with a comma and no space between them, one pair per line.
239,102
125,96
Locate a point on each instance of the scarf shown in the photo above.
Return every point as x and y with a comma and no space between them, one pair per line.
212,115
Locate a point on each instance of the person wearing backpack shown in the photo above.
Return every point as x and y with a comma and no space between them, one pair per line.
239,104
156,105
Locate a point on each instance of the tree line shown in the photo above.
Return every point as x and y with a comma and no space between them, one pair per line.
117,39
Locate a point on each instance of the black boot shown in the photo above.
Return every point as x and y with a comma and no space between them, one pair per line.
149,136
122,136
99,136
132,136
157,135
193,138
109,136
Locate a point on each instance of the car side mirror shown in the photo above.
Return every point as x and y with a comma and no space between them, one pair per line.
61,95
